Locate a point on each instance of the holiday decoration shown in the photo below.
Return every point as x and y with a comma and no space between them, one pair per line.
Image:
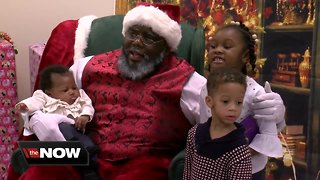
210,14
304,69
8,98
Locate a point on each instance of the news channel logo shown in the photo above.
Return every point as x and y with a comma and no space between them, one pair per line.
54,153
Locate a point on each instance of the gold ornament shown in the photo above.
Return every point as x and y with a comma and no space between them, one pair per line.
290,16
314,12
6,36
271,166
209,26
310,18
259,66
248,67
304,69
287,159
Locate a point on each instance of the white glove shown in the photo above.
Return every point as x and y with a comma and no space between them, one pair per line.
268,106
51,119
45,126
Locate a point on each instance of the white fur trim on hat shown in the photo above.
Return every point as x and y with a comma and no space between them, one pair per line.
157,20
82,34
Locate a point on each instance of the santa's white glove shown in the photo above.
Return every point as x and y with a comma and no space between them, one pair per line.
268,106
45,126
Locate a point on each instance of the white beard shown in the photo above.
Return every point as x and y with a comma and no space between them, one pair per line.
137,71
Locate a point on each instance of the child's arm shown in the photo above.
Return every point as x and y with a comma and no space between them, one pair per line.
267,141
33,103
192,100
87,108
241,168
86,114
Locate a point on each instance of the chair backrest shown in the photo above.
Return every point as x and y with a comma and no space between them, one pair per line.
105,35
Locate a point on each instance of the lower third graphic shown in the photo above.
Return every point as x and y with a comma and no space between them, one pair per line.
54,153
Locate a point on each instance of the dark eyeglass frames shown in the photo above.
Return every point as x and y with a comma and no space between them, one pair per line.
145,39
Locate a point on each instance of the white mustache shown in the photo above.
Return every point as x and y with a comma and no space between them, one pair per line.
139,70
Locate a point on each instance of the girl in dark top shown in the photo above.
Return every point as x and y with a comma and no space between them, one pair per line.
218,148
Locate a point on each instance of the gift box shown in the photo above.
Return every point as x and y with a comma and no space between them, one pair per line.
35,54
8,99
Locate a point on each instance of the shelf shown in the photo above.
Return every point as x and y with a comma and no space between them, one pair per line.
290,28
300,163
297,90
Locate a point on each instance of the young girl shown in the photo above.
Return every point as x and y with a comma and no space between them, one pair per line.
234,46
217,149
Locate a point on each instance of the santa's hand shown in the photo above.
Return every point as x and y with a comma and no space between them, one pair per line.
268,106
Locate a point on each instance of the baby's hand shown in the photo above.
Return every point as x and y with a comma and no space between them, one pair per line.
22,108
81,122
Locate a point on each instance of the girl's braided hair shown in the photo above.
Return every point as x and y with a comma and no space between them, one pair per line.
250,41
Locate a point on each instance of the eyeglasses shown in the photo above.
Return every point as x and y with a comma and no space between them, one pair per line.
146,39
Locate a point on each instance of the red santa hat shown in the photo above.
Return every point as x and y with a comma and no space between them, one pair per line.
163,19
68,39
67,43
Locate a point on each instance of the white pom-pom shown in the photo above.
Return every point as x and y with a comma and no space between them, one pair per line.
254,36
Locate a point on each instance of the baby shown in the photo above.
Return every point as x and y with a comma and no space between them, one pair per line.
55,108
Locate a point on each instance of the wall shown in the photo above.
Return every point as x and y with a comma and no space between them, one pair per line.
32,21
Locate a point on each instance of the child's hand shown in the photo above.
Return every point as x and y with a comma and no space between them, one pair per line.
81,123
22,108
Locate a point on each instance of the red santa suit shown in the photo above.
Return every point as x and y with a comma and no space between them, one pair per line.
136,121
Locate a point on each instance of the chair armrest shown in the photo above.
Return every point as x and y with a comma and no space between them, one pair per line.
176,166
